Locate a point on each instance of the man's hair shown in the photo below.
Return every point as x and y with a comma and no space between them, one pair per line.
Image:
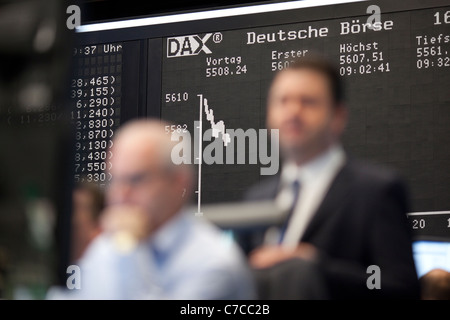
435,285
154,130
326,68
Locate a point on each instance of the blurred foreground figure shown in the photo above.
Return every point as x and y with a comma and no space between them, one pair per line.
346,216
150,246
88,203
435,285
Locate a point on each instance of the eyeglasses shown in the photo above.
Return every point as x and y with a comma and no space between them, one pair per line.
134,180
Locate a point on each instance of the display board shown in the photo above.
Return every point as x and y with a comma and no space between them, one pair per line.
214,72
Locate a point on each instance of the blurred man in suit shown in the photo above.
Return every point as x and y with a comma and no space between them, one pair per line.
344,215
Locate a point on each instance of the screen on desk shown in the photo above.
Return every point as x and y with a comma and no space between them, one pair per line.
429,255
216,67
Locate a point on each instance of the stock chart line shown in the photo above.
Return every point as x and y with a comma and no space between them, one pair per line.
217,128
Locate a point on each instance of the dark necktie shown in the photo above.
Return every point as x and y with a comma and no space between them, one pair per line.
158,256
295,187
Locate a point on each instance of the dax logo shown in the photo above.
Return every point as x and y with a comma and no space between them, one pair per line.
187,46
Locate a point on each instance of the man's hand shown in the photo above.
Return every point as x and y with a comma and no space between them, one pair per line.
127,224
267,256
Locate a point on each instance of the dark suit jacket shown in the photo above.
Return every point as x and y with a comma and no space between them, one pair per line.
361,222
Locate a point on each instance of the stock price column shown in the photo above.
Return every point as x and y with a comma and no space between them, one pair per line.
96,95
430,100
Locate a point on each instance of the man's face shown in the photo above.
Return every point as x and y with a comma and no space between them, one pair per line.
141,179
301,106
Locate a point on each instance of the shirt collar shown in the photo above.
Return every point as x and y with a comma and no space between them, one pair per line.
311,169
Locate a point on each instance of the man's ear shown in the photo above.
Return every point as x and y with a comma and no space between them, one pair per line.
185,181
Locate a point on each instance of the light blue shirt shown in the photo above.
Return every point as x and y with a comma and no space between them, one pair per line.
187,258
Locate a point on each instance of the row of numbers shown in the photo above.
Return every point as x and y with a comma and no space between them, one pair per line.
94,81
96,112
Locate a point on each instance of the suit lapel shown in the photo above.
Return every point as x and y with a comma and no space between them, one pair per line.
268,189
334,198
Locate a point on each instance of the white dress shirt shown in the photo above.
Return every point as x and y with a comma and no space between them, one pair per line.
187,258
315,178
